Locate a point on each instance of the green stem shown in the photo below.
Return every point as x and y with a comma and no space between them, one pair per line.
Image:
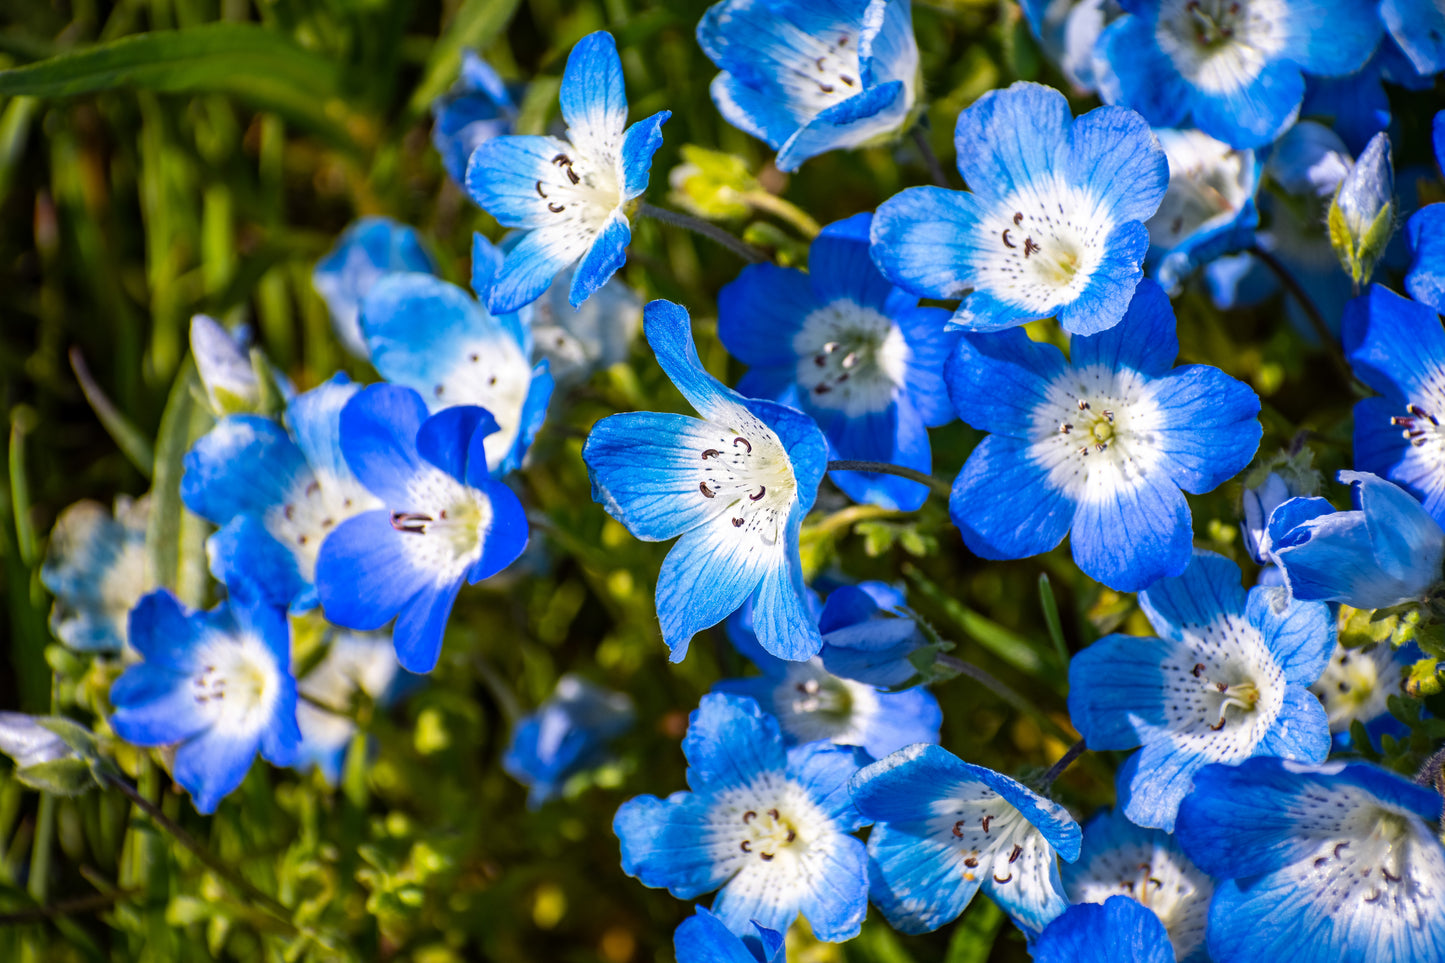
41,847
883,468
1006,693
698,226
784,210
70,907
930,159
1065,761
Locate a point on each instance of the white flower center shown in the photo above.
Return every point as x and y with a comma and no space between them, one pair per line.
580,188
449,522
236,683
1220,46
1226,689
1357,683
1097,432
772,821
993,838
1422,427
496,376
1046,241
315,506
1159,877
811,704
850,358
746,472
1208,182
826,72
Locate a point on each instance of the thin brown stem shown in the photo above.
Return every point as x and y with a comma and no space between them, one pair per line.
938,486
930,159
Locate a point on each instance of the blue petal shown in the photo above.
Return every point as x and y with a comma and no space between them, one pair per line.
1133,535
929,346
531,417
638,145
378,437
709,573
445,438
925,240
364,573
663,843
1208,590
998,380
1418,26
1210,427
212,765
1140,75
701,938
594,100
1106,299
1160,776
1330,559
244,465
1302,731
164,633
314,418
1144,340
421,624
502,178
1255,114
249,561
986,505
506,536
1119,930
874,111
782,617
1008,139
836,899
668,330
155,706
823,770
896,435
839,265
1354,32
532,264
1117,694
759,112
1113,155
1300,635
1396,346
759,313
730,743
1381,448
369,249
607,253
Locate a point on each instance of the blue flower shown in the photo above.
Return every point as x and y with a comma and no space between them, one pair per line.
1425,232
355,663
1099,446
566,735
1224,681
479,106
1233,67
428,335
1067,31
857,354
97,568
571,196
443,520
1418,26
1259,503
945,828
702,938
1054,223
1356,687
735,484
1337,862
1118,930
1209,209
807,78
767,824
576,342
1356,105
366,251
216,685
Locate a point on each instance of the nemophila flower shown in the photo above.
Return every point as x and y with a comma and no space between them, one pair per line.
702,938
1418,26
479,106
575,342
1425,232
443,520
276,492
809,78
944,829
356,663
1258,504
1386,552
1336,862
1099,446
1119,858
735,484
1233,67
571,196
429,335
1054,223
1356,686
1209,207
1356,106
215,685
1067,30
567,734
97,568
1118,930
769,825
1225,680
366,251
845,346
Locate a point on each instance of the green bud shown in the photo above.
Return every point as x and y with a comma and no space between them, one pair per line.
712,184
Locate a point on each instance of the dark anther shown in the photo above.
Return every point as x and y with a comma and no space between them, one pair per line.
474,357
572,176
711,453
843,40
819,360
821,389
741,440
986,820
541,193
1018,218
1177,225
749,816
1065,427
762,490
1389,876
1221,687
958,828
438,390
562,160
1322,860
766,857
413,522
313,488
1006,241
1110,415
706,492
1004,880
1218,725
328,522
1373,897
970,862
819,62
1083,405
847,81
747,846
556,208
289,512
1158,883
1338,847
1084,451
1100,446
1018,851
774,813
792,835
1199,668
737,523
826,88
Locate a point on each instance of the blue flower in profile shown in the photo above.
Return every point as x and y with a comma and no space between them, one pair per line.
1356,687
357,664
215,685
1099,446
479,106
810,78
1209,208
735,484
366,251
1225,680
567,734
767,824
702,938
846,347
1259,504
97,568
1117,930
1335,862
1054,225
944,829
1418,26
1232,67
571,196
443,520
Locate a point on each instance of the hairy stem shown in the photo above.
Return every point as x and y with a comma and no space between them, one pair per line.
883,468
1316,320
930,159
698,226
1065,761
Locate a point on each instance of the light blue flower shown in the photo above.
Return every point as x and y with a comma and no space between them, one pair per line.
1118,930
356,663
1099,446
809,78
1258,504
1225,680
97,568
1067,30
1209,209
702,938
443,520
1418,26
575,342
944,829
1233,67
366,251
846,347
1335,862
1054,223
769,825
479,106
215,685
567,734
735,484
1356,687
572,196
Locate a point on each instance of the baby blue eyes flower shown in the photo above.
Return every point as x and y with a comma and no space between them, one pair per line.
944,829
1418,26
1118,930
567,733
848,348
97,568
479,106
216,685
1209,208
702,938
1054,223
367,251
810,78
572,196
1224,681
1356,687
735,484
768,825
1098,447
1336,862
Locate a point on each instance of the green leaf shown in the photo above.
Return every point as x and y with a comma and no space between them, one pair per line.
59,777
475,26
182,423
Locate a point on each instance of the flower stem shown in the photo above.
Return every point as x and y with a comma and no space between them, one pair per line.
930,159
883,468
1065,761
784,210
698,226
1316,320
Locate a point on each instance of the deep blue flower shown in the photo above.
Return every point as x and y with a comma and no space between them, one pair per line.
1100,445
702,938
944,829
769,825
1233,67
366,251
1118,930
1226,680
361,663
1356,687
97,568
567,734
572,196
809,78
1054,223
1209,209
443,520
735,484
479,106
1356,106
1418,26
857,354
215,685
1337,862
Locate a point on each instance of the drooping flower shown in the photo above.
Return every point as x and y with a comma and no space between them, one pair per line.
1209,208
735,484
1226,680
572,196
702,938
1099,446
368,250
443,520
944,829
1116,930
97,568
809,78
1054,223
1356,687
1418,26
216,685
769,825
568,733
846,347
355,663
479,106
